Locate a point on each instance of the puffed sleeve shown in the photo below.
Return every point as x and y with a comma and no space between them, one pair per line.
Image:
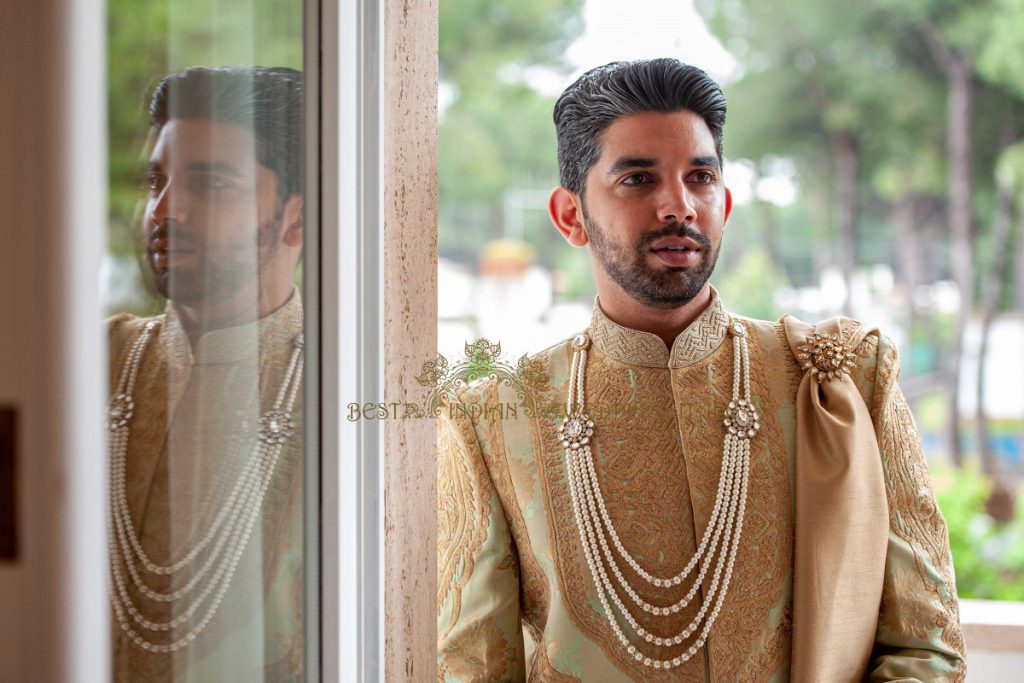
479,633
918,636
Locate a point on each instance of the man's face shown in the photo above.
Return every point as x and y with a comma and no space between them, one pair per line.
213,218
655,207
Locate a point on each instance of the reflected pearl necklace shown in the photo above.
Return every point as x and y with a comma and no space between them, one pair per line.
722,535
228,534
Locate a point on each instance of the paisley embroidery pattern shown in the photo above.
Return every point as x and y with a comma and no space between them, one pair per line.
462,513
466,660
915,519
541,670
536,595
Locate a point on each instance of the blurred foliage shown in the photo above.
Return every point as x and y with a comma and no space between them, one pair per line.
578,279
479,37
750,285
1000,57
495,130
814,70
988,556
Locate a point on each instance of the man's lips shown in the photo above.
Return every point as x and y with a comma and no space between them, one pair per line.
677,252
164,254
675,244
164,244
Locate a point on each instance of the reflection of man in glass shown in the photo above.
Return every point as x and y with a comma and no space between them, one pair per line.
763,509
206,469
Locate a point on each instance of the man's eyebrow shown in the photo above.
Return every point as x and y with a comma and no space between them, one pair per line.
622,163
224,167
705,161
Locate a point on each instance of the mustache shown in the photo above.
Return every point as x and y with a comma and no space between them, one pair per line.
676,230
171,233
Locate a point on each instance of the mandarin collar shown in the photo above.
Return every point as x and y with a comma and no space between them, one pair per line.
231,344
695,343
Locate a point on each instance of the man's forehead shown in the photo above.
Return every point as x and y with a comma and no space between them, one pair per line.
657,135
204,140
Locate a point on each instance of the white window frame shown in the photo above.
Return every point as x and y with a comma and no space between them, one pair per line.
349,289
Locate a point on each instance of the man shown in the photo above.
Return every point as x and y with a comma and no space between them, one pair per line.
714,498
205,414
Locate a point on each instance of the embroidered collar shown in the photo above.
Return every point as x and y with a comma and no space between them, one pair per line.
693,344
232,344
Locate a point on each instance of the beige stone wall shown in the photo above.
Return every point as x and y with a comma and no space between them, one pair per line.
410,329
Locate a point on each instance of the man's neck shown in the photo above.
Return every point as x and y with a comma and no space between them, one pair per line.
666,323
198,320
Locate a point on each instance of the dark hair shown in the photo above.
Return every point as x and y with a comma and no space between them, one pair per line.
267,101
607,93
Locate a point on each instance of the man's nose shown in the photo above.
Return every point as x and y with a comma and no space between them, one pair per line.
167,203
676,205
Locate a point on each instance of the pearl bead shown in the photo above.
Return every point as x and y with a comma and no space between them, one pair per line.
721,537
239,519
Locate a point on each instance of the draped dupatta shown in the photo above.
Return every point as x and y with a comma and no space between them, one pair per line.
841,527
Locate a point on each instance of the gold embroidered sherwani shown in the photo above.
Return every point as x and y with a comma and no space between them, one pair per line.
516,599
197,413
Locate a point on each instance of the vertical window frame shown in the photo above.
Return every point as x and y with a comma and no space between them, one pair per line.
350,288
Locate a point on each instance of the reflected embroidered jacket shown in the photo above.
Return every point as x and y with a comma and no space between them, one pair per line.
197,414
516,599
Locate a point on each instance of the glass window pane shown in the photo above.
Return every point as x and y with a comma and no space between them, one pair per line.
206,329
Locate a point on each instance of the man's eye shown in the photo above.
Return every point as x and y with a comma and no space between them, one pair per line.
207,183
703,177
153,182
635,179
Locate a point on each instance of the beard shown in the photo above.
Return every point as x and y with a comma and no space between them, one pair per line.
218,271
627,265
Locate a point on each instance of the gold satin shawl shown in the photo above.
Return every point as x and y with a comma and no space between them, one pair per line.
842,521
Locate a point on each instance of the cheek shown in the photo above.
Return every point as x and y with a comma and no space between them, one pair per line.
627,214
229,217
713,207
149,216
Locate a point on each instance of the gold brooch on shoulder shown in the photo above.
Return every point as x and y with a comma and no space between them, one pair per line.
827,357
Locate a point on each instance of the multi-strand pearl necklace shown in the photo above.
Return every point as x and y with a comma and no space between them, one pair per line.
722,535
227,536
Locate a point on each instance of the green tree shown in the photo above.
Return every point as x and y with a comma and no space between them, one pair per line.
988,556
896,115
751,284
495,132
812,91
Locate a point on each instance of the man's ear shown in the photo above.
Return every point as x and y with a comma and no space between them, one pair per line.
292,221
566,210
728,203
